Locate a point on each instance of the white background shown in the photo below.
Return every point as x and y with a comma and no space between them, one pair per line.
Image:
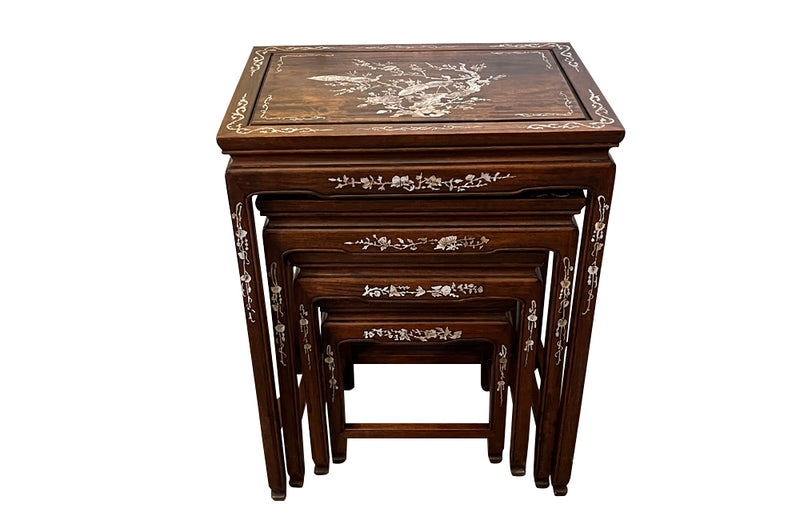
125,381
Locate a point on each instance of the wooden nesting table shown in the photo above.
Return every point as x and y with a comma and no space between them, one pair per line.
367,127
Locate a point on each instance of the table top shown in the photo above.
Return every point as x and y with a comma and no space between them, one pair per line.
416,95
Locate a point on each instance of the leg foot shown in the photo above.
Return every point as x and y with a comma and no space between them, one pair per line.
320,469
518,471
296,483
542,483
278,496
338,459
496,458
560,491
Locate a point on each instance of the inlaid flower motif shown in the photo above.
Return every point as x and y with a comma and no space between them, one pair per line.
447,243
563,305
452,290
420,182
437,333
242,250
597,245
533,321
399,182
433,181
276,302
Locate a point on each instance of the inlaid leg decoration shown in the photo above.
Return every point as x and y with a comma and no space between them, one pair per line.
255,313
313,374
498,409
335,397
592,247
550,394
284,334
523,389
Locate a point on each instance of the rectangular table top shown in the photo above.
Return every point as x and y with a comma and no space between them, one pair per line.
416,95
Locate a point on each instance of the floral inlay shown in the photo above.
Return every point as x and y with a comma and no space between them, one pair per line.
598,234
452,290
304,332
532,323
333,384
502,364
420,182
563,303
448,243
242,251
276,299
438,333
599,109
426,90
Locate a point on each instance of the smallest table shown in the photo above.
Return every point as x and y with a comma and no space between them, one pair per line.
366,124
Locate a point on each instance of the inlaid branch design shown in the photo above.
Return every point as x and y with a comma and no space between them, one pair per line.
333,384
420,182
276,300
598,234
304,332
502,363
438,333
452,290
532,323
242,251
448,243
419,90
563,303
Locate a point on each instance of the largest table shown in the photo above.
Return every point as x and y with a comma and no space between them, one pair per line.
394,121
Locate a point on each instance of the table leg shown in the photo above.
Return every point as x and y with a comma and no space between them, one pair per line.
255,312
314,376
523,386
586,285
498,399
557,328
286,345
334,394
